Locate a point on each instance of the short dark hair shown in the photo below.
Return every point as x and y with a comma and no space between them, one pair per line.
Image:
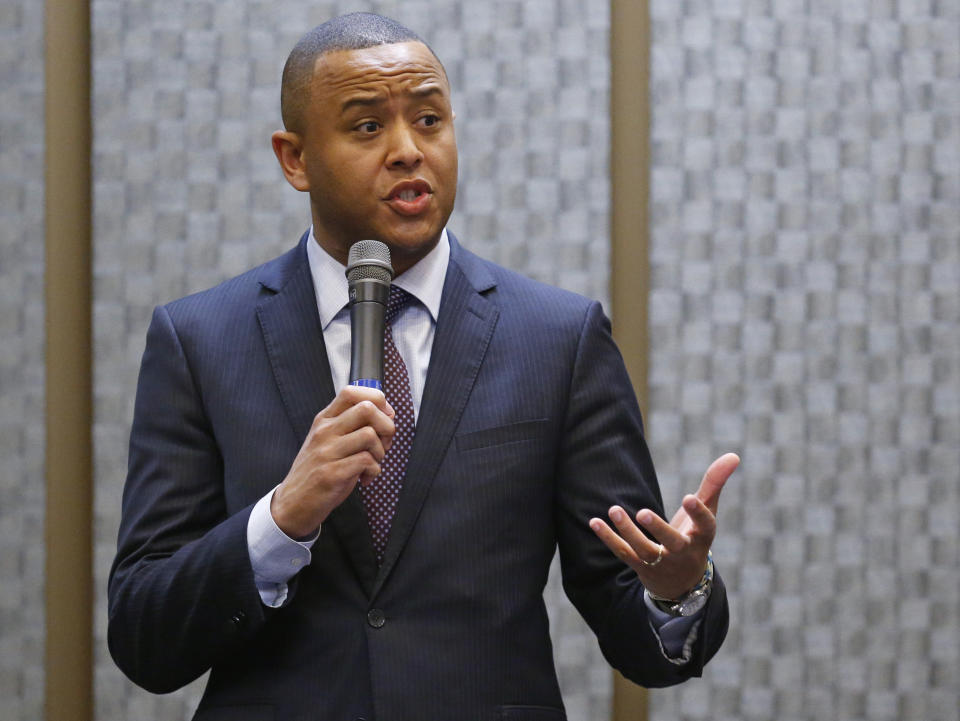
354,31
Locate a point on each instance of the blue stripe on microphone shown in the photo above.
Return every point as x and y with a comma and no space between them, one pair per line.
368,383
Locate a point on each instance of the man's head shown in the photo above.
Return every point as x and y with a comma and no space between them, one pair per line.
356,31
369,134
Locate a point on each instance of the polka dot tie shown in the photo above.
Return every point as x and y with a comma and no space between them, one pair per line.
380,496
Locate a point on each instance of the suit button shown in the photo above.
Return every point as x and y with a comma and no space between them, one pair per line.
376,617
238,618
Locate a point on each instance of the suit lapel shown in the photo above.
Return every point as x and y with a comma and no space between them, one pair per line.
293,338
465,325
294,341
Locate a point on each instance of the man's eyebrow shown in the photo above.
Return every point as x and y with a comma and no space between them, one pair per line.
361,101
368,101
426,90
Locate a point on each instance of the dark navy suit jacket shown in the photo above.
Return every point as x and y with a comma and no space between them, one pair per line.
528,427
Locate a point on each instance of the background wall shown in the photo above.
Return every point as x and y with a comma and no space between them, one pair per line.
805,311
21,359
804,302
187,193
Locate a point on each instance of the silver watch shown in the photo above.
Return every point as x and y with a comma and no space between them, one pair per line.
693,600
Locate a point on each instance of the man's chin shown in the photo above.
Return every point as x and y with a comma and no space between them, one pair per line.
407,249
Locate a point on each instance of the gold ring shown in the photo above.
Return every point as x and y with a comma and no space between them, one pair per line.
654,563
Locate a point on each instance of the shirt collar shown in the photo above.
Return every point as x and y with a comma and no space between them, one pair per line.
424,281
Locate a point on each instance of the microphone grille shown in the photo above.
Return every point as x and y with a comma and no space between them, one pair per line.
369,259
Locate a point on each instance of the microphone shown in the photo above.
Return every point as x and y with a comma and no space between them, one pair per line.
368,277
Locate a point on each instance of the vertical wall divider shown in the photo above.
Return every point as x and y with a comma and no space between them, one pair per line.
629,228
68,536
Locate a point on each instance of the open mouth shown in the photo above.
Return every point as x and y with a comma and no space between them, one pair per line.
410,197
409,194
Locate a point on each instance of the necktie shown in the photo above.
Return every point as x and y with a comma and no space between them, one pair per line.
381,495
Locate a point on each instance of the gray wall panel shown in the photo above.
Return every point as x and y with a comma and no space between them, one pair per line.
22,434
804,312
187,193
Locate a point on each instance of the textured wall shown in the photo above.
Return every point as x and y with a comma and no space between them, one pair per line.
187,192
21,360
805,311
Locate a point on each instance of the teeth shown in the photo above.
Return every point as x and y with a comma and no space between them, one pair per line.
408,194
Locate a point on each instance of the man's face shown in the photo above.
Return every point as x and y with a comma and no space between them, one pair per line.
379,150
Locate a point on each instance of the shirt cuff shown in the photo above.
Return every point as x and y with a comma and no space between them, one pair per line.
274,556
676,634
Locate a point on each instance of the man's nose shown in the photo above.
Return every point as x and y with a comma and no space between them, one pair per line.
404,150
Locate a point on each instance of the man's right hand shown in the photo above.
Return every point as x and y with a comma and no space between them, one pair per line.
346,444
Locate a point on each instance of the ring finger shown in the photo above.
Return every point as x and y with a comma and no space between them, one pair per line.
645,549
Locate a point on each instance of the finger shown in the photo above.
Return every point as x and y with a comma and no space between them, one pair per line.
644,548
703,519
620,548
364,413
368,475
670,537
350,396
362,467
715,478
364,439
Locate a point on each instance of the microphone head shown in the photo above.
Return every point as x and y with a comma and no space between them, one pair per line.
369,259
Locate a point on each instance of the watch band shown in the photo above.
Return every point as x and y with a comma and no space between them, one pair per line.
693,600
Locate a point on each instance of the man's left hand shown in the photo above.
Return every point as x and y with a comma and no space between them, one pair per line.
673,564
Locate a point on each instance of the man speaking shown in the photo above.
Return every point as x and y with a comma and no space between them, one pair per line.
334,551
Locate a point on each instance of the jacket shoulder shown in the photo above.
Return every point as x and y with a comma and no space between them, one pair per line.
507,287
241,292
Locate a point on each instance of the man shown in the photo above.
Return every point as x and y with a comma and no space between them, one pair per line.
342,554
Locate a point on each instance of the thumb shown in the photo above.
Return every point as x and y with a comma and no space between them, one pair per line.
715,478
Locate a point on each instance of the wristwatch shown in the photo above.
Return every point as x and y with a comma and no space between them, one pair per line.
693,600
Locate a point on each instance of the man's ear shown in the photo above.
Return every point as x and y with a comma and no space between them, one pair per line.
288,147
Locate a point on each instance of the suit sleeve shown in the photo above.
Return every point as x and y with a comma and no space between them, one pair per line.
604,460
181,590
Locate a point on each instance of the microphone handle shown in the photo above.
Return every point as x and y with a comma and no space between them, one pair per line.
368,308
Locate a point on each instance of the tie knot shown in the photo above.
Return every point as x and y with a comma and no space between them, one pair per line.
397,300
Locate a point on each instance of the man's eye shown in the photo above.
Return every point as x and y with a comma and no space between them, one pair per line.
430,120
371,126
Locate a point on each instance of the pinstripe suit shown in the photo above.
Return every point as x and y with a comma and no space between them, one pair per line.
528,427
